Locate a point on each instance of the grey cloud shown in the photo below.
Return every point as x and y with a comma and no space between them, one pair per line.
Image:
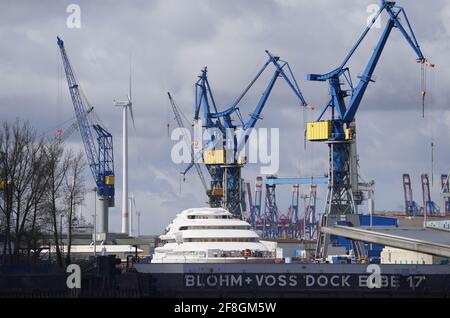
171,40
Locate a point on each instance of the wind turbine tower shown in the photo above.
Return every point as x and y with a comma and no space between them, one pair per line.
126,106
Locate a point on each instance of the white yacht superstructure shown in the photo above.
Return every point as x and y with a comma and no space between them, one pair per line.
213,235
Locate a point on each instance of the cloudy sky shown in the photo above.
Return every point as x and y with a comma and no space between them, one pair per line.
171,40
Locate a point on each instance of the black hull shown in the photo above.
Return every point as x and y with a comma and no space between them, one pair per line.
294,281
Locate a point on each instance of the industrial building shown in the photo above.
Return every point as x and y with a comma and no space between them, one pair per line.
391,255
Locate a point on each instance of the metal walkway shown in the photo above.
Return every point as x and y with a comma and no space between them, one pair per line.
428,241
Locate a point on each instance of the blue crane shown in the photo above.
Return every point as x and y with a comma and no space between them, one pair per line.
99,151
221,155
339,131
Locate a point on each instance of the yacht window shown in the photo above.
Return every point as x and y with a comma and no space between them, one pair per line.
226,239
215,227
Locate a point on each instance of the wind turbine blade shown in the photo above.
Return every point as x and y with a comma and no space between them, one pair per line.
130,103
129,91
131,113
129,87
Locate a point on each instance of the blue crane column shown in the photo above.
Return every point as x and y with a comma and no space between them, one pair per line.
99,151
339,131
222,154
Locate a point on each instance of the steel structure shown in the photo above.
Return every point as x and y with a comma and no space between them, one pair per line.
271,216
99,150
250,205
255,217
290,224
411,207
430,208
310,223
294,231
445,196
427,241
339,130
222,154
275,223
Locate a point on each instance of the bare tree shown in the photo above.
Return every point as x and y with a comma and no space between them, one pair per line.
74,191
6,150
39,181
18,164
57,166
39,217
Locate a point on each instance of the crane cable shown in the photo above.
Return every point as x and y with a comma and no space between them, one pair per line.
423,82
423,86
169,119
59,91
423,93
179,115
430,81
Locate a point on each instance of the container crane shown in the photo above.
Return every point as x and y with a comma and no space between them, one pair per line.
339,131
221,156
411,206
255,208
271,216
289,223
310,223
293,215
248,193
430,208
445,196
99,151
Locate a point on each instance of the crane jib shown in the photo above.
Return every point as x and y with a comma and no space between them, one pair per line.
99,151
346,113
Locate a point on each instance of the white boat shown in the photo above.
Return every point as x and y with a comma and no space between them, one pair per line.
81,226
210,235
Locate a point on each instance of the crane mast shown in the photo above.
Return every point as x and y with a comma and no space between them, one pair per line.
99,151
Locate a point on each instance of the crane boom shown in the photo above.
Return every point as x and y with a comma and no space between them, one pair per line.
346,113
99,151
222,120
224,163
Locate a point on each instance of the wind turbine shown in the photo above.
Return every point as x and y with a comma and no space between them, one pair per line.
126,106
